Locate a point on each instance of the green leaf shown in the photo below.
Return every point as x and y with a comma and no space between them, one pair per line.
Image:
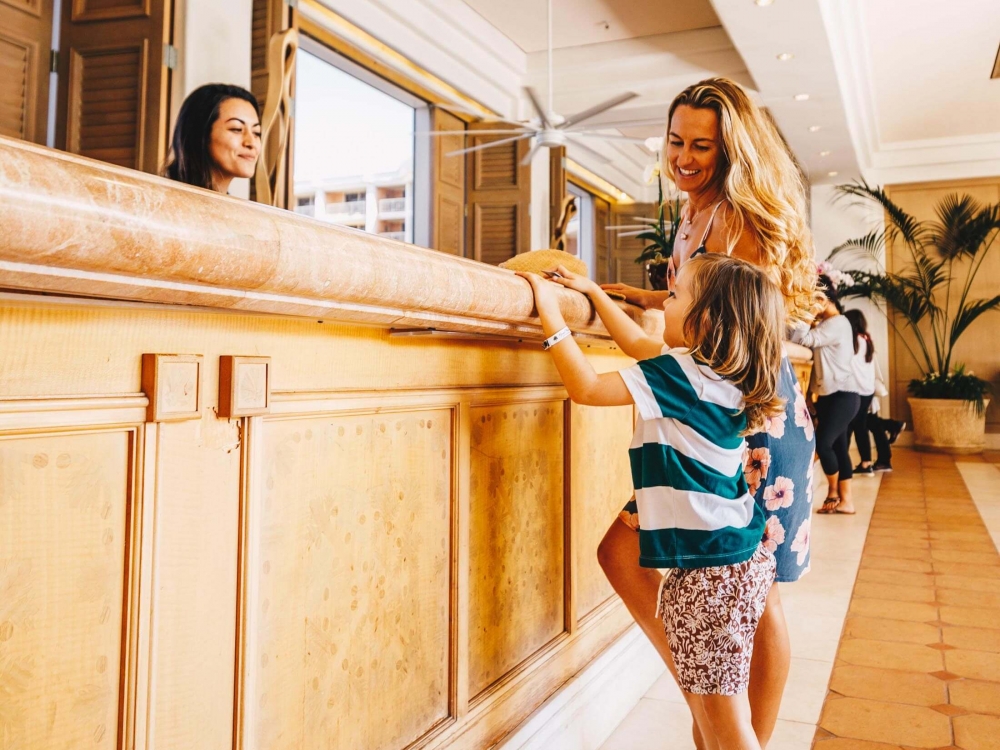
900,222
968,314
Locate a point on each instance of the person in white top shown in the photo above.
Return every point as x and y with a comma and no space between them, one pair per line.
832,342
867,420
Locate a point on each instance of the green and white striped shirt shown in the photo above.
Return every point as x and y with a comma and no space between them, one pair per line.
695,509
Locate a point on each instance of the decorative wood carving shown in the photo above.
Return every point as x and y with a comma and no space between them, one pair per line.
172,383
276,120
244,386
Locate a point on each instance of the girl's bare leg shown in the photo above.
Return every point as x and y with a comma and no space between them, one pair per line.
728,719
772,656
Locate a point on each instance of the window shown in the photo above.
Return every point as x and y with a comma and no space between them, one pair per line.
580,229
354,145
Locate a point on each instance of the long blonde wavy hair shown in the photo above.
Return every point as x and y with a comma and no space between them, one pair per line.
763,187
734,326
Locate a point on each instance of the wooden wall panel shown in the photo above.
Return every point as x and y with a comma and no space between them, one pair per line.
516,536
349,628
601,483
979,347
65,504
625,250
25,43
194,597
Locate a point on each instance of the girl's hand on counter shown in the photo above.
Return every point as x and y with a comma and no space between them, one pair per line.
575,281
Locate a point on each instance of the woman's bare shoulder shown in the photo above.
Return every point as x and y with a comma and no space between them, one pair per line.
747,246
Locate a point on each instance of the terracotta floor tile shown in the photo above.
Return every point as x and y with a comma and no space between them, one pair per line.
888,685
966,583
976,696
961,598
973,558
844,743
898,631
890,610
949,710
907,657
902,553
973,639
975,617
911,726
895,593
975,732
901,578
966,570
977,665
907,566
961,536
986,547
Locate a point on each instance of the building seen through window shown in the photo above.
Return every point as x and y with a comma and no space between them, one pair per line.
354,148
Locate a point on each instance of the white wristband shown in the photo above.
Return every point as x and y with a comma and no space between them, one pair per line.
556,337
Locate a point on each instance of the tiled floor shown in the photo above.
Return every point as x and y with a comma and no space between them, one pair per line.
906,656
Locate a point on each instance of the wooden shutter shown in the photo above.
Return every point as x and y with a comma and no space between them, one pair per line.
25,47
447,184
602,257
499,196
557,188
270,17
113,81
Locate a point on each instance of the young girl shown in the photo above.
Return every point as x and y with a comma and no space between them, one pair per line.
714,381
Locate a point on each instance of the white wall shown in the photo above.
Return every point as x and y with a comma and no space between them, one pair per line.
834,221
213,41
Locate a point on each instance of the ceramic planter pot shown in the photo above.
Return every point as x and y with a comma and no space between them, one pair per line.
656,271
945,425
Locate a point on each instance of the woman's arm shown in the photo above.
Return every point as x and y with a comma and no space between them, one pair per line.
582,382
626,332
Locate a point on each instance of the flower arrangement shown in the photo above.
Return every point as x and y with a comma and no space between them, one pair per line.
930,299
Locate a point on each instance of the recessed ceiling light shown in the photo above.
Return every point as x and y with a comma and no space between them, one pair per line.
815,128
832,174
824,153
785,56
762,3
801,97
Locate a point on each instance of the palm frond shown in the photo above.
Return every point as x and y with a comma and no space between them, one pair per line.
962,227
968,314
869,247
901,223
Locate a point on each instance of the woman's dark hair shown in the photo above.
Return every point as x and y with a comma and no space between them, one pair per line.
827,289
859,325
189,160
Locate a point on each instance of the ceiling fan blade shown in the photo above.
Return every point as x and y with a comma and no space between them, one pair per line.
630,139
488,144
531,153
451,107
476,132
580,146
647,122
538,106
597,109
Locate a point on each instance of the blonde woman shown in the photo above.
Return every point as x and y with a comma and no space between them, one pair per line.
746,200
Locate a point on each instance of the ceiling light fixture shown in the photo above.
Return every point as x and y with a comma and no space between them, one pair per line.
815,128
785,56
763,3
832,174
824,153
801,97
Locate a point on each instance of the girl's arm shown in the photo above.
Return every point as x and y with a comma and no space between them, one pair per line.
825,333
626,332
647,299
582,383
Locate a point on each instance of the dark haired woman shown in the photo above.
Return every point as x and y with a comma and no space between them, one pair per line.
832,342
216,138
867,420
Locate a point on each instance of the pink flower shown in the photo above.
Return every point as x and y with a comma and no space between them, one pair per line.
802,417
755,465
801,542
775,426
781,494
774,533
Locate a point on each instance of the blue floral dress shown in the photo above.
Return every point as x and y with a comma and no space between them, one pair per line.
779,470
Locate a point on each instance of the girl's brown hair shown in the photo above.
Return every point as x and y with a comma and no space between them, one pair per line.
734,326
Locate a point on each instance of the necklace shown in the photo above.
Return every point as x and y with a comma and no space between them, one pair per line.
690,220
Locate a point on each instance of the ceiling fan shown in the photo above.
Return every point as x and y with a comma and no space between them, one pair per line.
547,128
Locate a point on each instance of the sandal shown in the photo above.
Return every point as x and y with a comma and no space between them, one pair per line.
829,505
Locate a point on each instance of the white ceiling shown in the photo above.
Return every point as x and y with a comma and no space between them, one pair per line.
581,22
931,63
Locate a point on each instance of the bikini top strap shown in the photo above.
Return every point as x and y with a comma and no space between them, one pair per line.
711,219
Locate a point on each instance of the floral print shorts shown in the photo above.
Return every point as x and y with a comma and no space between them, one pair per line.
710,616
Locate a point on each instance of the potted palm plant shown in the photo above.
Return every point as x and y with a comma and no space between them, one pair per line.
659,235
932,300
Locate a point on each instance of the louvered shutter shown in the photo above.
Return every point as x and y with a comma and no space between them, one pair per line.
269,18
557,188
602,257
25,43
499,196
624,269
448,185
113,88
